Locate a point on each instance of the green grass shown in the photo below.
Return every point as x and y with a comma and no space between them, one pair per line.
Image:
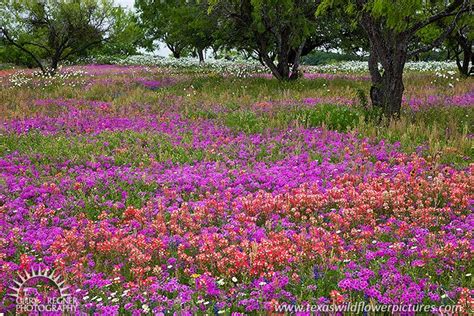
126,147
232,102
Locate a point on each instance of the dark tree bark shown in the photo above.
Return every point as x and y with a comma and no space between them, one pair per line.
387,87
270,64
390,51
296,62
376,95
285,69
53,67
467,55
283,57
175,50
309,45
201,55
287,66
55,59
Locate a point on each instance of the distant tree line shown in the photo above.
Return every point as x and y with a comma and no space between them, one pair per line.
278,33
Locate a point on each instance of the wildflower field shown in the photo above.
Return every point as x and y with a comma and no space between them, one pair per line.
216,190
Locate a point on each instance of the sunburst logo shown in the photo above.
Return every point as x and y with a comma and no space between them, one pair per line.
53,297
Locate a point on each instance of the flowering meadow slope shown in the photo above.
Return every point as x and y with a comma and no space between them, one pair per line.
164,207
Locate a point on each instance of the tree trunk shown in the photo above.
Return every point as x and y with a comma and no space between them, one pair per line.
391,51
390,47
387,87
53,66
389,94
284,55
270,64
176,53
472,64
175,50
376,95
468,56
283,68
201,56
281,71
296,62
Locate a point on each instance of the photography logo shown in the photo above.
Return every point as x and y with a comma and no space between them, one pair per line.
51,298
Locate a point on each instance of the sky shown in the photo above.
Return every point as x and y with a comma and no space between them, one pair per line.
163,50
127,3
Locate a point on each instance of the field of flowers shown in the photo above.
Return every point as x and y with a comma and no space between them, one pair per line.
165,189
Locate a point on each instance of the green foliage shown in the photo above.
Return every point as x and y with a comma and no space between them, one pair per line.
246,121
332,116
458,44
125,35
398,15
323,58
142,146
12,55
48,32
364,103
391,27
275,31
182,25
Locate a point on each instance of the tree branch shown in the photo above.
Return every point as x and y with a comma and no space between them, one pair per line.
440,38
37,45
12,41
74,51
294,71
443,14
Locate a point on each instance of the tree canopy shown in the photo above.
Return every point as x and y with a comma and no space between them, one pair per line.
51,31
181,25
277,31
391,28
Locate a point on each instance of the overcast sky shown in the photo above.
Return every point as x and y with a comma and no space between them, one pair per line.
163,50
127,3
